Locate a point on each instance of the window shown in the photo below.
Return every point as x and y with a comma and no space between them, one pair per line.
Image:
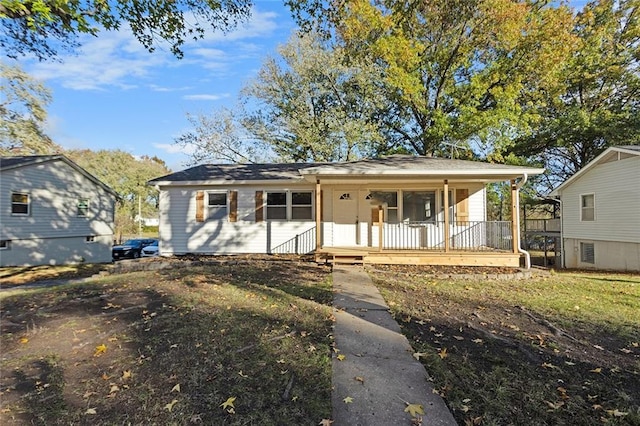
587,253
390,199
83,207
20,203
290,205
217,204
277,205
5,244
418,206
452,206
588,209
301,206
90,239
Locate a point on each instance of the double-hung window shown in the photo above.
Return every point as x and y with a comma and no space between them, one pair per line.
20,203
289,205
217,203
83,207
587,208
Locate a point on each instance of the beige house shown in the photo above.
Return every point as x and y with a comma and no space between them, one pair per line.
397,209
53,212
601,212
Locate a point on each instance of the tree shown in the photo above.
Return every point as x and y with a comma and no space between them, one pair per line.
312,104
43,27
600,102
308,104
128,177
454,71
23,113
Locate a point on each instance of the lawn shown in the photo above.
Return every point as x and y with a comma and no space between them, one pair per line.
241,344
557,349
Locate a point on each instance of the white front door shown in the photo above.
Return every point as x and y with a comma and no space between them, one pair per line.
345,217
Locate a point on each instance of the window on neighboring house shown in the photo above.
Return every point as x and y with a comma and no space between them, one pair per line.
20,203
90,239
301,206
587,253
217,205
588,208
276,205
5,244
418,206
83,207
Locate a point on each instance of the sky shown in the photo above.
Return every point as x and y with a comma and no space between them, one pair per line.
113,94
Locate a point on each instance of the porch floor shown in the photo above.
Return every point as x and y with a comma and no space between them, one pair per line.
372,255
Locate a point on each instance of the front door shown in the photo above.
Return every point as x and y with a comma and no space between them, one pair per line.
345,218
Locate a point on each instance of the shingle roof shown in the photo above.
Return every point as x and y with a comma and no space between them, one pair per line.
398,165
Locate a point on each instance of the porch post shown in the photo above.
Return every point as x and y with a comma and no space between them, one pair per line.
514,215
446,216
380,228
318,216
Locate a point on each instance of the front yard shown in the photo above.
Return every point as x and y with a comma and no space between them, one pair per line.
249,342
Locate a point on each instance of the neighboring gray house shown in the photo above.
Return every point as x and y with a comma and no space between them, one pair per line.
53,212
388,210
601,212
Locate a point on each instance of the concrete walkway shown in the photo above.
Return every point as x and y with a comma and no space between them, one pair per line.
378,372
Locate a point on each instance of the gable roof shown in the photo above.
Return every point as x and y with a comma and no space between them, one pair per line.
9,163
392,166
611,153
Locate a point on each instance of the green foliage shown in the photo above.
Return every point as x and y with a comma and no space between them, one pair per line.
600,102
453,72
43,27
128,177
23,102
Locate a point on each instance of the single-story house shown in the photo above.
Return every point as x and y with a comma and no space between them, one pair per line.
387,210
600,220
53,212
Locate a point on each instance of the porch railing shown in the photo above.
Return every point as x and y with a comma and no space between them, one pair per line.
303,243
467,235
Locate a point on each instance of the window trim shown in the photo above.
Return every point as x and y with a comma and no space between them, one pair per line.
90,239
88,208
28,203
5,244
583,252
582,208
217,207
289,205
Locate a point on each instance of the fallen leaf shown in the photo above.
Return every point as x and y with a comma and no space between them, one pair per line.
597,406
325,422
626,351
24,340
596,370
359,379
478,341
617,413
228,403
598,347
114,388
458,337
414,409
126,375
548,365
556,405
100,349
443,353
241,374
170,405
348,400
176,388
418,355
91,411
341,357
105,376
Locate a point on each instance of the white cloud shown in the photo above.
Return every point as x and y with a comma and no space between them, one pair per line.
175,148
205,97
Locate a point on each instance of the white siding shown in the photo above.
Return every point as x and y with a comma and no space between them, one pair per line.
608,255
616,189
53,233
180,233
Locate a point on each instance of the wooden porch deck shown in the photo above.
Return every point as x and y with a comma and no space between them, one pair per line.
372,255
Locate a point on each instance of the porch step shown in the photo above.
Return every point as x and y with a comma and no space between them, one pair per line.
350,259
